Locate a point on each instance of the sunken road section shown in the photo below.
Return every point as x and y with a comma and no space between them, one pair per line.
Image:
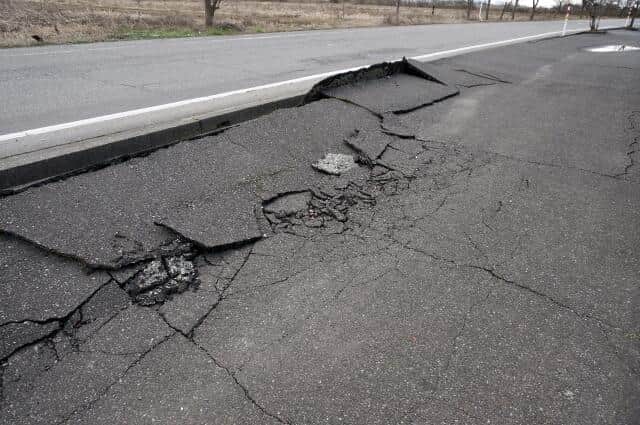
453,242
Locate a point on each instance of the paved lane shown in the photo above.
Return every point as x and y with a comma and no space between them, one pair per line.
54,84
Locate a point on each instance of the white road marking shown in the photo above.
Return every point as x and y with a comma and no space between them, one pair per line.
134,112
492,44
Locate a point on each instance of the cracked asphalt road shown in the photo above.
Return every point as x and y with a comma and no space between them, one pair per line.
480,264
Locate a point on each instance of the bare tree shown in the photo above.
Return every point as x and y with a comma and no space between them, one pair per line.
594,9
534,4
622,8
469,7
513,11
634,15
210,7
504,9
486,13
397,12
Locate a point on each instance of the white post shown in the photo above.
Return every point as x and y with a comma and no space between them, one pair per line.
480,13
566,20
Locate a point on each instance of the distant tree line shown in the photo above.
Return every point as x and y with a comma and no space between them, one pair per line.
594,9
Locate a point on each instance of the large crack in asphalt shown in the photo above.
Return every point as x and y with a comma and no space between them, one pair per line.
87,405
633,130
57,323
223,291
190,337
74,331
159,271
493,273
244,388
456,337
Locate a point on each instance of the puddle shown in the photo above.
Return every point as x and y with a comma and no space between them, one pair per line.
613,48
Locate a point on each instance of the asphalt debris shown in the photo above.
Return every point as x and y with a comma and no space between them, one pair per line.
334,163
161,278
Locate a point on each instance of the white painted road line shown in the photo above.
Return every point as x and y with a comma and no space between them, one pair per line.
487,45
134,112
166,106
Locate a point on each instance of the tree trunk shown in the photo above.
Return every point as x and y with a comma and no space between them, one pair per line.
593,18
513,11
209,11
486,13
433,7
397,12
633,17
534,4
504,9
469,5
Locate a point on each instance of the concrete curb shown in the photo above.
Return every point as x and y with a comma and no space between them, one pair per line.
23,171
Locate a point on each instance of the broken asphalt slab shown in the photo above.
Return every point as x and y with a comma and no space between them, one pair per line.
204,191
453,275
395,93
399,87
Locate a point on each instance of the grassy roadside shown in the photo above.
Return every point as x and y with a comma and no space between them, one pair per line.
30,22
150,33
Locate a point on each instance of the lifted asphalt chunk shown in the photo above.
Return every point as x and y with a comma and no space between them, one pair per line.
394,93
204,191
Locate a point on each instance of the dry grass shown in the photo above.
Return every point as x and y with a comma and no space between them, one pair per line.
73,21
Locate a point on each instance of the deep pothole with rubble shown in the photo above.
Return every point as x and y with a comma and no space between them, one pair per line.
161,278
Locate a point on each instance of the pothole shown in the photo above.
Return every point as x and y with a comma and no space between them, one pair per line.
612,48
161,278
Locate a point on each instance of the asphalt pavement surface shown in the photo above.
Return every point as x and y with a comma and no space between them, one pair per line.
49,85
455,242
